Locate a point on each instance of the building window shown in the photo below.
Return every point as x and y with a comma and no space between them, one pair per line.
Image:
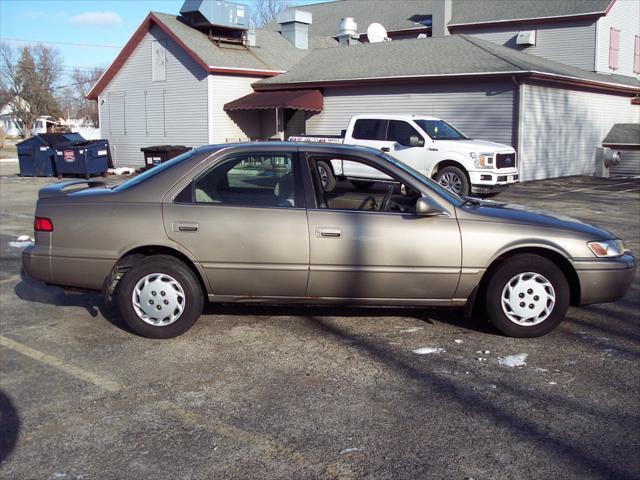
636,55
614,48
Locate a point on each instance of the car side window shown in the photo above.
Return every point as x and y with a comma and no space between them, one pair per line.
369,129
400,132
267,180
352,184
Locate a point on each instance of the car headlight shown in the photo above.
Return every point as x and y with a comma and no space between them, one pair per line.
607,248
482,160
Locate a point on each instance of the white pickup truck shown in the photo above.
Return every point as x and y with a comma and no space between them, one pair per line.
429,145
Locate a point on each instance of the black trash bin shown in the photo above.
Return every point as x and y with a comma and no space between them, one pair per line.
36,155
161,153
85,158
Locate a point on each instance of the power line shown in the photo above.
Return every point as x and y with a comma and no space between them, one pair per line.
72,44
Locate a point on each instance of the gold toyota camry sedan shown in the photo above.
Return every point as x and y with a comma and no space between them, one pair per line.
276,223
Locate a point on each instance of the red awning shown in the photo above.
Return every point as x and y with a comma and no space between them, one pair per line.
297,99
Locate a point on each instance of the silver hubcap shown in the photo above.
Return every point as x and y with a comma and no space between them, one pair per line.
528,299
323,176
158,299
452,182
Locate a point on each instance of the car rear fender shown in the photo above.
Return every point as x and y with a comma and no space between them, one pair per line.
129,257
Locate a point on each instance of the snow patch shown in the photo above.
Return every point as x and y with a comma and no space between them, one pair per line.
457,340
349,450
411,330
428,350
518,360
23,241
122,171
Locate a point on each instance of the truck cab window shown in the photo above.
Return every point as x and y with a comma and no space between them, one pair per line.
401,132
369,129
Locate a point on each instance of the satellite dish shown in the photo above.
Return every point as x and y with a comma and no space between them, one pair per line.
376,33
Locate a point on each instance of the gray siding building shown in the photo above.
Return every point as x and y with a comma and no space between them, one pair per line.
138,110
553,98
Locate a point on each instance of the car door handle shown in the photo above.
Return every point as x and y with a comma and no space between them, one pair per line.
186,227
328,232
385,149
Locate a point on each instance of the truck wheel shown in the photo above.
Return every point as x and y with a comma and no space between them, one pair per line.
527,296
454,179
160,297
327,177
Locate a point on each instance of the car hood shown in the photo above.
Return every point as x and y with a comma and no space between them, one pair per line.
514,213
480,146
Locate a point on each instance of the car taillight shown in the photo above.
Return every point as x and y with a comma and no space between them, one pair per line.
42,224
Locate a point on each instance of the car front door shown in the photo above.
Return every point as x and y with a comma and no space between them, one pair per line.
244,220
362,250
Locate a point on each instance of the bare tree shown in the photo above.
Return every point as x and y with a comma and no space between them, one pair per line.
28,76
74,96
266,11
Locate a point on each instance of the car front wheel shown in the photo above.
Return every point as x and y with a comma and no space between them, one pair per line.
527,296
160,297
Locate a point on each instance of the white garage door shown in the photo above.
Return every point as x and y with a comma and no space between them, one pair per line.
562,128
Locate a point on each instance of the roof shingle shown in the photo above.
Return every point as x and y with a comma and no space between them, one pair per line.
406,14
444,56
623,134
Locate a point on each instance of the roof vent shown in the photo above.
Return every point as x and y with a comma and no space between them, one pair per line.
215,13
348,31
526,38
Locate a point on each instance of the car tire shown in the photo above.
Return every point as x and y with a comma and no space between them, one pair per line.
362,185
327,178
454,179
160,282
527,296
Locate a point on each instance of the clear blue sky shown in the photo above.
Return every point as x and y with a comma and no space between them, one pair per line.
87,32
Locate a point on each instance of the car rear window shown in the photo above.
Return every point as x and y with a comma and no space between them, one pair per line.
152,172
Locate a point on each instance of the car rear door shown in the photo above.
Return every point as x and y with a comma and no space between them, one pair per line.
244,221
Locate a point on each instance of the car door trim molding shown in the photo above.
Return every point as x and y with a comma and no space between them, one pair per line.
297,267
384,269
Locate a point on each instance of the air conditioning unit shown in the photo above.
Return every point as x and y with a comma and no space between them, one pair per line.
527,37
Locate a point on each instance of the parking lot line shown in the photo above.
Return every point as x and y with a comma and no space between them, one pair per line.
590,188
59,364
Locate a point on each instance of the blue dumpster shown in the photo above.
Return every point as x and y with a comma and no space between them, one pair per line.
36,155
86,158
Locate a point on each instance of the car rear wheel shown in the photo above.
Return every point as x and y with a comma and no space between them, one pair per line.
160,297
454,179
527,296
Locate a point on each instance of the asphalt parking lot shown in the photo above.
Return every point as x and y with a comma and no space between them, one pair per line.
309,392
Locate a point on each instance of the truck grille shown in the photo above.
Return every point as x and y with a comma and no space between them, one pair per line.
505,160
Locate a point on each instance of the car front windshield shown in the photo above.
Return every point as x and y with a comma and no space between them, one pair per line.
440,130
439,189
152,172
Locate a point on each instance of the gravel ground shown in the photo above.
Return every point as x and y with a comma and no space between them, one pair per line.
309,392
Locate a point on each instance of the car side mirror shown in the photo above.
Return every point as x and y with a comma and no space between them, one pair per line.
415,141
424,208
